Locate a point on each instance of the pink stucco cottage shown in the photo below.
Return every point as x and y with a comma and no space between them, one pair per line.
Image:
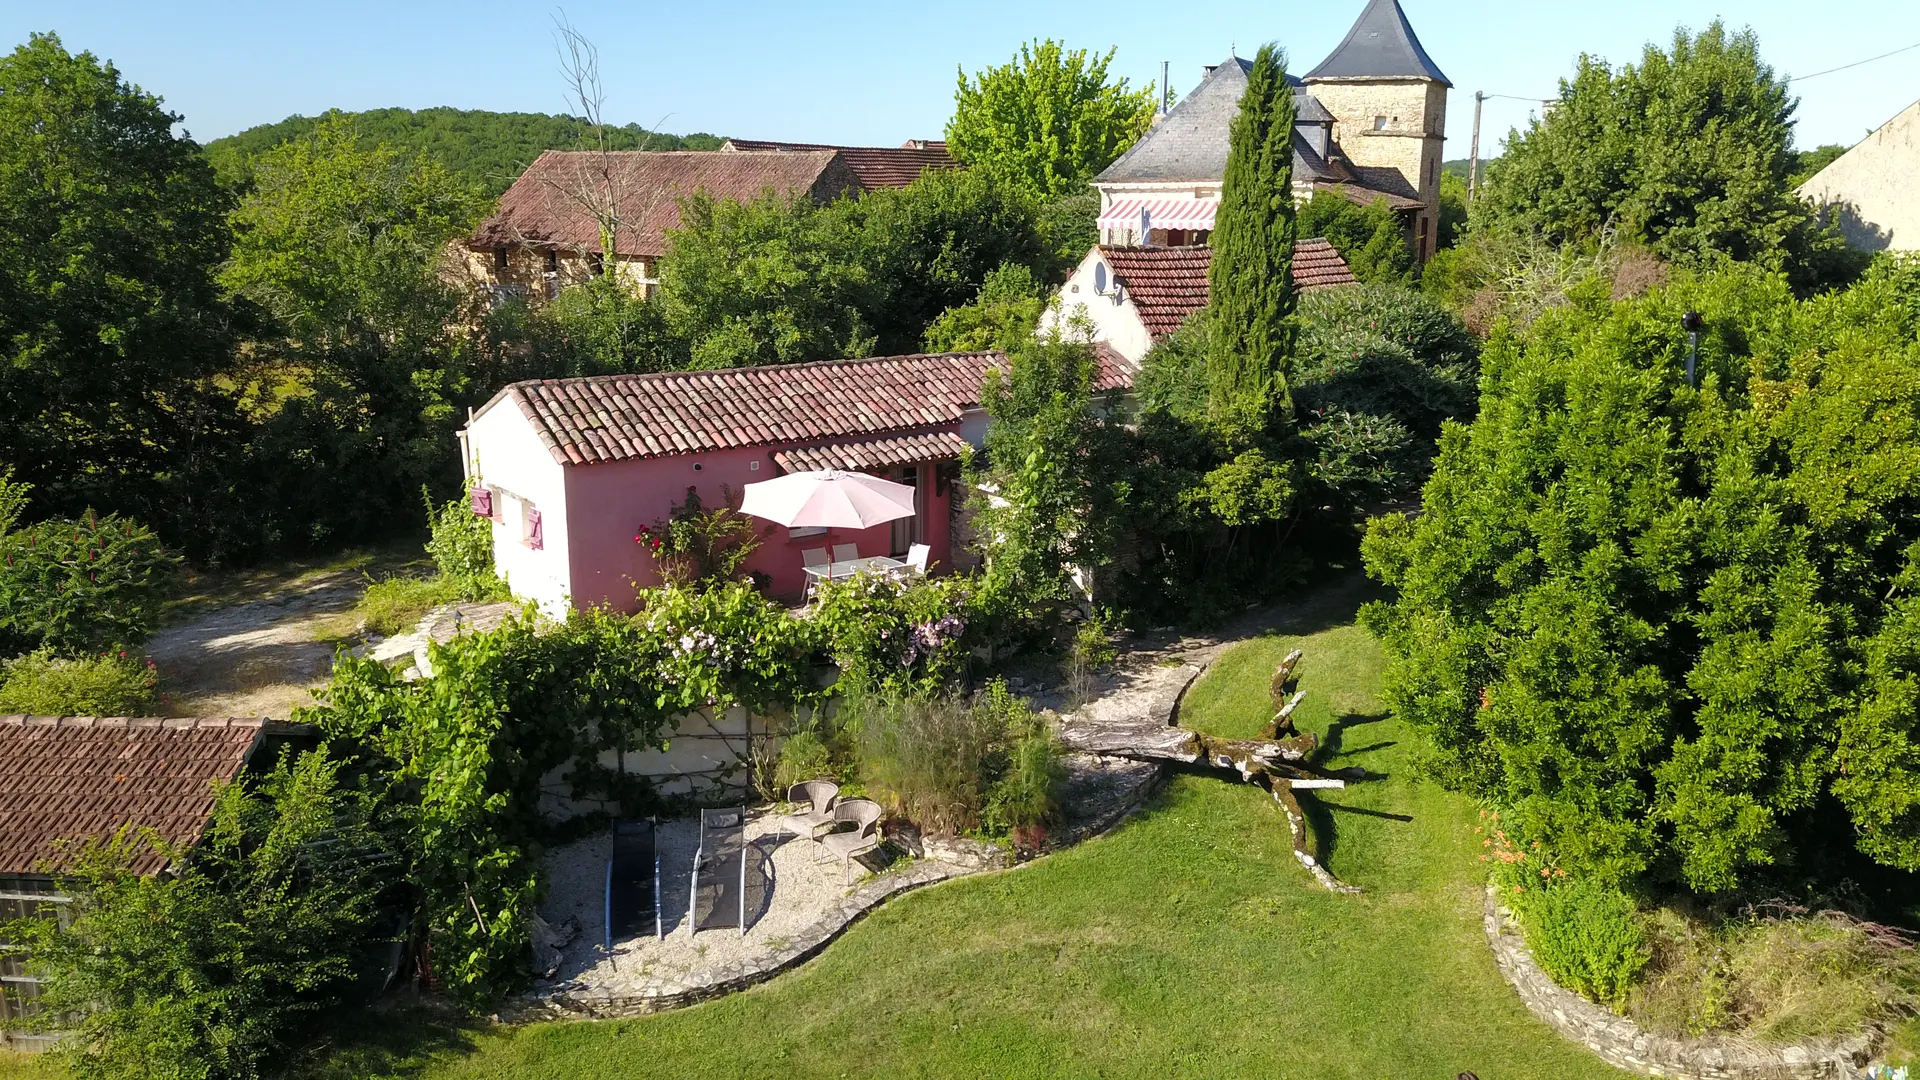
575,466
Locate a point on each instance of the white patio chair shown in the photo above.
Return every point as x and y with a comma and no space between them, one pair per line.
814,559
917,560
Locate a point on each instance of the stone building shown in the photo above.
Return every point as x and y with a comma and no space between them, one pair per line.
1370,125
1873,190
545,235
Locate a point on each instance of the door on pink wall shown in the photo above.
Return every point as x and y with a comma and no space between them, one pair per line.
908,531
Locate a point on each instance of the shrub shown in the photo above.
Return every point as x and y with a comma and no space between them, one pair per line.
1782,975
79,585
896,636
461,543
929,759
1026,796
698,547
110,684
803,756
1586,934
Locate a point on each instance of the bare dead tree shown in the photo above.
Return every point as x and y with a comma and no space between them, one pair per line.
1279,761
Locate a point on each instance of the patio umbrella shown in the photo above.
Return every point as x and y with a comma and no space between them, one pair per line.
828,499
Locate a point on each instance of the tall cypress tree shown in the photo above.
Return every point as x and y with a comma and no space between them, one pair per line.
1251,279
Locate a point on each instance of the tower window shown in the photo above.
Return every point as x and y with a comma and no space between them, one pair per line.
1379,123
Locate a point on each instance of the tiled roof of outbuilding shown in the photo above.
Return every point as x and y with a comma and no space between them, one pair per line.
1167,285
74,777
876,166
542,210
629,417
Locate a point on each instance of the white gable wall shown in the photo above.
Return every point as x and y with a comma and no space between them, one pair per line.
504,453
1874,188
1115,322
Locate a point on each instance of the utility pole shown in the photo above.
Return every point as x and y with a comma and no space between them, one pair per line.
1473,164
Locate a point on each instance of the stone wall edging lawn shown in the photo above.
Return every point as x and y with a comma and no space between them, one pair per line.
1624,1044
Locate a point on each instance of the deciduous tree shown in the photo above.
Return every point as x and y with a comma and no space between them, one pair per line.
1048,119
1690,152
111,322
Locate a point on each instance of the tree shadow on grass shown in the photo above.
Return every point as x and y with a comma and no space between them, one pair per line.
395,1040
1324,607
1320,813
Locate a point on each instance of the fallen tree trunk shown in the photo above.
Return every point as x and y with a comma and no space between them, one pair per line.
1278,762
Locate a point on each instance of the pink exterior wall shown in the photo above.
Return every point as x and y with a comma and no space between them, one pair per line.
608,502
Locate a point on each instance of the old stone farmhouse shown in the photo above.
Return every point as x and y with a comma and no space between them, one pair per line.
547,232
1873,190
1371,125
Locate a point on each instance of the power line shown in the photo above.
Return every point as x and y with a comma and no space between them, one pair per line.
1855,64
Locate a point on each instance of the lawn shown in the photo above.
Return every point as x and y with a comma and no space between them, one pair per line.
1188,943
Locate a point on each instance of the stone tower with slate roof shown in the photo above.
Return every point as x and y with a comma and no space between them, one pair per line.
1370,124
1389,103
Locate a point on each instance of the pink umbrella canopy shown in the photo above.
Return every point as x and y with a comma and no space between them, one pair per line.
828,499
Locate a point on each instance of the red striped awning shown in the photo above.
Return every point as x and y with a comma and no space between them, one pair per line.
1146,215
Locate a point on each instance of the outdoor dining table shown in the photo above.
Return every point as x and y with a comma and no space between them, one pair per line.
834,571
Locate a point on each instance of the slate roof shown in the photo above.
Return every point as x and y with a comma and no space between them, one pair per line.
538,210
1191,142
1381,44
874,453
634,417
1167,285
876,166
72,777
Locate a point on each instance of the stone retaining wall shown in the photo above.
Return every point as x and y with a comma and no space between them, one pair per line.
1625,1044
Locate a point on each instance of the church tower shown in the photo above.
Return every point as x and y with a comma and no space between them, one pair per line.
1389,103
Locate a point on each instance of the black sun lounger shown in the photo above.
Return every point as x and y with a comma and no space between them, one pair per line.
720,871
633,882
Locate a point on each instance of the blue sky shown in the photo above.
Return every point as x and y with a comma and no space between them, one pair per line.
864,72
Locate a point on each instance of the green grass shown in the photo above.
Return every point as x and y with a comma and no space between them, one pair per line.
1188,943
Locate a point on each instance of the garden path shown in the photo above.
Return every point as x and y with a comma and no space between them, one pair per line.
261,657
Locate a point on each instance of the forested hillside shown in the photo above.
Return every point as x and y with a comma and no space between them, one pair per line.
486,148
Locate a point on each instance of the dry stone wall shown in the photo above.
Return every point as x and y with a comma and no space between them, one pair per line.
1625,1044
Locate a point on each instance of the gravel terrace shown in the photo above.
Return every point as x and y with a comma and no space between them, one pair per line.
795,894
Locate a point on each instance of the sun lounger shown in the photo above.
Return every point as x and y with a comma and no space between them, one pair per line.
633,882
720,871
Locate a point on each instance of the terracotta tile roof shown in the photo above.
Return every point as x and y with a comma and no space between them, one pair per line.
1316,265
632,417
874,453
876,166
539,211
72,777
1168,284
1113,371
